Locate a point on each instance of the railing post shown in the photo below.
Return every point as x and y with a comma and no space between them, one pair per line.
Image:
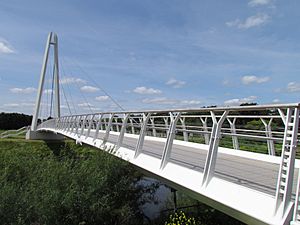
102,127
108,128
91,122
59,122
282,115
212,153
166,124
105,123
66,123
117,125
185,133
235,141
78,124
123,130
140,123
287,165
153,127
73,124
99,124
296,216
205,129
83,125
141,139
170,138
271,148
56,123
132,127
68,127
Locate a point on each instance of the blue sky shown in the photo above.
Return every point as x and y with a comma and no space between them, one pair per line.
152,54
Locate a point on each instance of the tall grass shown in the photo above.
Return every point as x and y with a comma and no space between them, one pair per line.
62,183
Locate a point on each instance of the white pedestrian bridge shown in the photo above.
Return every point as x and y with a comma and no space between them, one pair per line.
239,160
254,187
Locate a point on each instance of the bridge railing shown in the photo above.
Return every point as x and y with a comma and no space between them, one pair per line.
267,129
14,133
264,129
270,129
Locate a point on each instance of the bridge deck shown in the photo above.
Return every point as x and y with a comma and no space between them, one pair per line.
256,174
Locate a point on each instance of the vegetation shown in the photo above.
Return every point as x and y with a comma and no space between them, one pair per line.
12,121
197,212
180,219
63,183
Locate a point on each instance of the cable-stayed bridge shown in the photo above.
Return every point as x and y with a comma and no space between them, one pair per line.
240,160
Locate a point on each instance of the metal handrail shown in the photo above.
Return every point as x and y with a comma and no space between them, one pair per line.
215,109
13,133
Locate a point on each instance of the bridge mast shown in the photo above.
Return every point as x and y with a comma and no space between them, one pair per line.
51,41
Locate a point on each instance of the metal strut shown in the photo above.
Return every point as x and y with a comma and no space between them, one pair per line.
288,154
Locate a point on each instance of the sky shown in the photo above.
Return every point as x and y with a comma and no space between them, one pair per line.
151,54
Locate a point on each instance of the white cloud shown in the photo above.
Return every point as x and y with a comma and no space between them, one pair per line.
226,82
168,101
16,105
28,90
254,79
13,105
85,104
48,91
190,102
4,48
175,83
102,98
259,2
93,108
64,107
28,104
237,101
276,100
252,21
72,80
160,101
89,89
146,91
293,87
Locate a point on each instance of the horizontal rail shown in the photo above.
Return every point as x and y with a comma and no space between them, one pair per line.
13,133
215,109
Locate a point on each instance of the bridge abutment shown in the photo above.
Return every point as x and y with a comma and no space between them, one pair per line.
42,135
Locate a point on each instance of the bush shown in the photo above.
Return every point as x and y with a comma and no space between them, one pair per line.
180,219
62,183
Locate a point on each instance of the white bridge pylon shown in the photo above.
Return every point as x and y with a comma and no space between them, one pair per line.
256,188
51,41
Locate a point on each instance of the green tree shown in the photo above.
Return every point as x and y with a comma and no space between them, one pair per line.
10,121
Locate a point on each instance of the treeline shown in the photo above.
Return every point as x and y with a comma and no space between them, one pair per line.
12,121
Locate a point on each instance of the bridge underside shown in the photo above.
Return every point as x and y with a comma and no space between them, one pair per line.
242,179
36,135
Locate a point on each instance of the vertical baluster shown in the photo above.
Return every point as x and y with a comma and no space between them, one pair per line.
212,153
